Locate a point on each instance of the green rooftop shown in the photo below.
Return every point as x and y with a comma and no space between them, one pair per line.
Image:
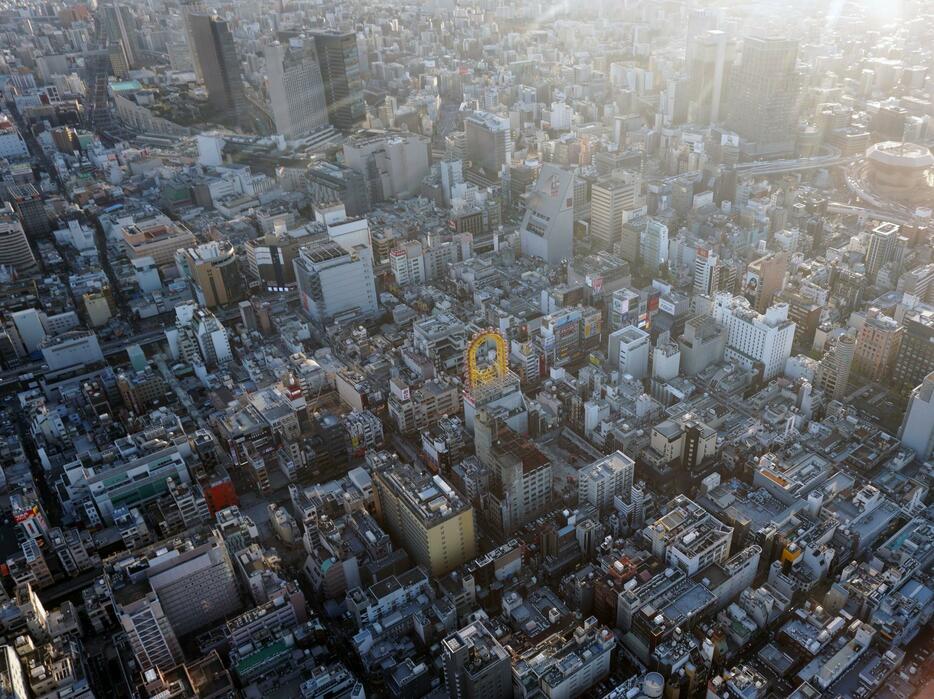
262,656
126,86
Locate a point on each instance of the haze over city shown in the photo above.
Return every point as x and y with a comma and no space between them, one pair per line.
466,349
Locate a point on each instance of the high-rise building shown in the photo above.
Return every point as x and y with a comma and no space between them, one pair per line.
754,340
629,349
15,251
30,207
915,357
488,142
220,66
340,71
172,589
765,278
213,272
121,27
434,523
475,665
833,374
188,8
334,282
547,229
610,198
296,88
148,630
917,430
763,96
709,68
599,482
520,474
883,241
394,163
13,682
877,344
653,245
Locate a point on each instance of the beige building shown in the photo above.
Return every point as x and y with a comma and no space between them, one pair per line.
213,272
425,514
610,197
158,238
415,409
877,345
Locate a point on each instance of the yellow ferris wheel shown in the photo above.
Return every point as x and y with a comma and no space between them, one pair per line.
497,369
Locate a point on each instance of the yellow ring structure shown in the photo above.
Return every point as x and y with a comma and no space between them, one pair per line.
477,376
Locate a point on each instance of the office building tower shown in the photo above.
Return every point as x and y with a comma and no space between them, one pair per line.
709,68
15,251
198,337
599,482
13,683
666,358
917,429
434,523
121,28
653,245
763,96
187,9
335,283
147,628
213,273
394,163
754,340
883,242
629,349
220,66
296,88
271,258
610,199
488,143
547,229
29,206
877,344
475,665
710,273
915,357
765,278
340,71
521,476
833,374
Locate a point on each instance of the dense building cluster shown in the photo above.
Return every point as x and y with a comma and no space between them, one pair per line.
466,349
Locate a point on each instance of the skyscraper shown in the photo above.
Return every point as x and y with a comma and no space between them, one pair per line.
189,8
14,245
654,245
296,88
709,70
120,25
610,197
547,230
340,71
334,282
833,374
217,58
917,430
882,246
763,96
489,142
755,341
765,278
